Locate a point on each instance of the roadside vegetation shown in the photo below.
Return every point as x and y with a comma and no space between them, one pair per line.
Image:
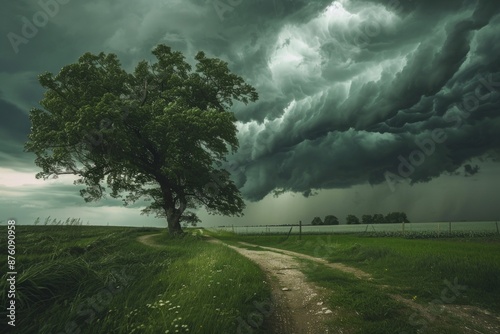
87,279
416,271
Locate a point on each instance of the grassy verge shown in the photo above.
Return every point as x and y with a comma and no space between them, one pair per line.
467,269
80,279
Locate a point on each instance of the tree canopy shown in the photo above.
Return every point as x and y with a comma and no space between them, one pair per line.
160,133
331,220
316,221
352,219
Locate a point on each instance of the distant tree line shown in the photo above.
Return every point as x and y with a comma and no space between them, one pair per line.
377,218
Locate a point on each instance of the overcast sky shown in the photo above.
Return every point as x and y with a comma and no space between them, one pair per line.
365,106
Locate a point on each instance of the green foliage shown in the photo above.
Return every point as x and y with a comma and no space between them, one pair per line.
190,219
396,218
416,270
114,284
390,218
160,133
331,220
378,218
367,219
316,221
352,219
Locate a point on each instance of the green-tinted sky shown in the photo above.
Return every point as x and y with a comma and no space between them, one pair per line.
357,98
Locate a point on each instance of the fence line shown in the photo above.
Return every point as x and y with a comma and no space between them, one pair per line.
439,227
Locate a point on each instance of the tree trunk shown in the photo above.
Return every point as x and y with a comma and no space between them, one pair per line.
173,220
172,213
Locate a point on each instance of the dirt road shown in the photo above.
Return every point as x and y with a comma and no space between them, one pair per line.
298,306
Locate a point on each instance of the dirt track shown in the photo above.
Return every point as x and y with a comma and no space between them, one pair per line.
298,306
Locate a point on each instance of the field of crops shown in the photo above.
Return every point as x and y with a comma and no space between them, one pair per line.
410,229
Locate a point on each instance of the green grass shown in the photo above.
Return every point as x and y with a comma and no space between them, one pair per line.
361,306
101,280
412,268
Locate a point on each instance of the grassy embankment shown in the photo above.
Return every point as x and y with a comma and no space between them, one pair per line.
80,279
413,269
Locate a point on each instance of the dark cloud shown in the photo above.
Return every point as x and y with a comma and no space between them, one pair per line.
336,137
349,90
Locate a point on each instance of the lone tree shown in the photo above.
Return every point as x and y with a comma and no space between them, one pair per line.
378,218
352,219
316,221
160,133
331,220
367,219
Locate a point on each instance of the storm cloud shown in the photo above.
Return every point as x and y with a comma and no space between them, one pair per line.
370,86
352,93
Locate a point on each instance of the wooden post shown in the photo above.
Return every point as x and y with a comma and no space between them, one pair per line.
300,229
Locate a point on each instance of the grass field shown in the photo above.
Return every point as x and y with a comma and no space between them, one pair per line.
84,279
79,279
417,270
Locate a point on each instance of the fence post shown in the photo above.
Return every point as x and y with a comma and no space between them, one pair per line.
288,234
300,229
